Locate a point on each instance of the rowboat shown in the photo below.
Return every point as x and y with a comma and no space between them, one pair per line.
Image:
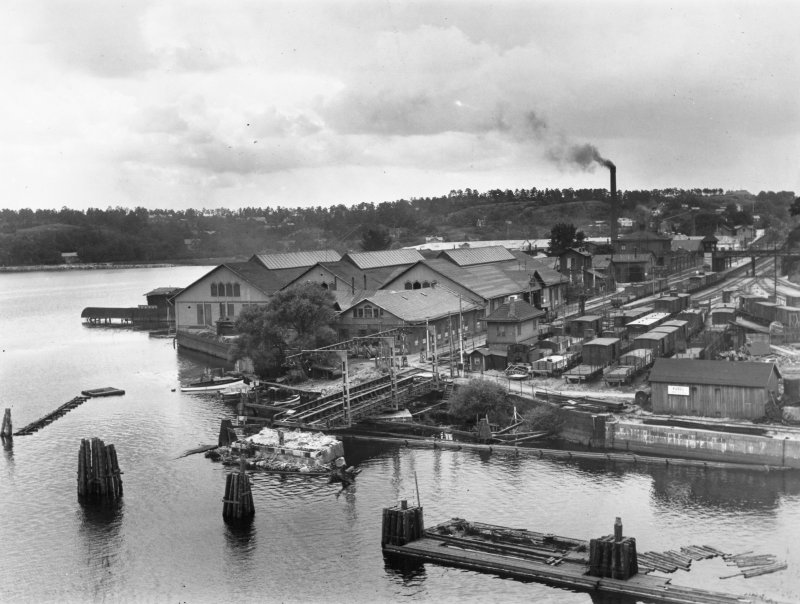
213,385
517,372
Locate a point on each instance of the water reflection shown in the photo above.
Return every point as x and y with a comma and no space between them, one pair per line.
406,571
724,490
100,532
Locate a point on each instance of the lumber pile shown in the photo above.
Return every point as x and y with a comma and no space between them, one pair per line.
753,565
672,560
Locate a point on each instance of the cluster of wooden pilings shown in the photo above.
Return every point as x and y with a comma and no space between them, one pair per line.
613,555
402,524
99,476
238,503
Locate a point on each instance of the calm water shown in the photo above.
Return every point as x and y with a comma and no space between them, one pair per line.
168,542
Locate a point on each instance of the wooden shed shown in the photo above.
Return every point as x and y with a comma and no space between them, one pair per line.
587,326
734,389
600,351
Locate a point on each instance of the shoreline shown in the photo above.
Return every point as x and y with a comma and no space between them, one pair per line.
89,266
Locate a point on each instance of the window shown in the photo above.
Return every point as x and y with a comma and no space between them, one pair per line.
408,285
368,312
231,311
417,285
425,284
213,293
200,315
237,291
221,310
229,290
519,329
358,312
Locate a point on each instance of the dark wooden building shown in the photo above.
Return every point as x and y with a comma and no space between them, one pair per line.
739,389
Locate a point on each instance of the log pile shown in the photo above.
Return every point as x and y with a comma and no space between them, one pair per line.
753,565
99,476
672,560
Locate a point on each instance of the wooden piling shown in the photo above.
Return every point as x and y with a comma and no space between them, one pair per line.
238,503
99,476
613,555
402,524
6,432
227,434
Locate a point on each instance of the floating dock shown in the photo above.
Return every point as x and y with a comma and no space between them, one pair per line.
606,564
107,391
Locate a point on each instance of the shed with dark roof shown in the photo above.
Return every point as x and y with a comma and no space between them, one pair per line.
732,389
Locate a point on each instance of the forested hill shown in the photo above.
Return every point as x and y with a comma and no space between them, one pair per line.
34,237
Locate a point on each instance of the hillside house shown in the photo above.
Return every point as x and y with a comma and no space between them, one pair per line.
642,242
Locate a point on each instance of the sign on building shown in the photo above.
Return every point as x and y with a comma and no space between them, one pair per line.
678,390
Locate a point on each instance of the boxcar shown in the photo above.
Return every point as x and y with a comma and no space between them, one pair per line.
600,351
655,342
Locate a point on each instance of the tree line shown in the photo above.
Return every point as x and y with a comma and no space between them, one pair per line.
116,234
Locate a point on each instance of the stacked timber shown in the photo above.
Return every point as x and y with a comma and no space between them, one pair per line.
613,555
402,524
99,476
238,502
753,565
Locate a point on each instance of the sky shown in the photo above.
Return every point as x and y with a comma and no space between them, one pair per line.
209,104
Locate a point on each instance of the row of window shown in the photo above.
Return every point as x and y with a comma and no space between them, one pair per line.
367,312
230,290
417,285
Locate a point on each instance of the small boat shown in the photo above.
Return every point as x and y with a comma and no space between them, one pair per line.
517,372
213,385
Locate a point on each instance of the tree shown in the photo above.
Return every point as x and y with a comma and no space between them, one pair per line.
375,239
794,209
297,318
480,398
563,236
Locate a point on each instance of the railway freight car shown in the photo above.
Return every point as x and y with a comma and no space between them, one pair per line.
657,343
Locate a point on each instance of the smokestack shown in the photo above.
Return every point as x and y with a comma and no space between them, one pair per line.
612,169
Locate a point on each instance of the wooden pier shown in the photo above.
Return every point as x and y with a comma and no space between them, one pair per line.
527,555
48,419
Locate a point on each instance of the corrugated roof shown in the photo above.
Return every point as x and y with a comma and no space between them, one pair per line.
471,256
260,277
297,259
417,305
514,311
383,258
747,374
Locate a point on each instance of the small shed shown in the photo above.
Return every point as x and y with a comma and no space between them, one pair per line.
587,326
734,389
600,351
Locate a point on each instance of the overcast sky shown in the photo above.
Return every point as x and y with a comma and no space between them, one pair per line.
229,104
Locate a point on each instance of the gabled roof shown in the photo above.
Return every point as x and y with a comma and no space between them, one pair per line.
418,305
383,258
514,312
728,373
575,250
601,261
345,298
268,281
296,259
477,255
164,291
350,276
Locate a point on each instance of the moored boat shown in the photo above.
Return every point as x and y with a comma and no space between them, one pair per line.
213,385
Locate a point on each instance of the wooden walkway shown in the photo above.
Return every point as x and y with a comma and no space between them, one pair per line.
48,419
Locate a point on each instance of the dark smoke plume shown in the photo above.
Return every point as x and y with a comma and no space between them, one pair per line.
584,155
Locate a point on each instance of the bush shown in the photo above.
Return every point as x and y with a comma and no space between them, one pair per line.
544,419
480,398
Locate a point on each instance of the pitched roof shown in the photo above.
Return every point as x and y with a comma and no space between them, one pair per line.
471,256
729,373
164,291
349,275
416,305
268,281
383,258
514,312
689,245
297,259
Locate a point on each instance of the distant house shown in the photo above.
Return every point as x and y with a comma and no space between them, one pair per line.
632,268
739,389
162,298
572,263
639,242
70,257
